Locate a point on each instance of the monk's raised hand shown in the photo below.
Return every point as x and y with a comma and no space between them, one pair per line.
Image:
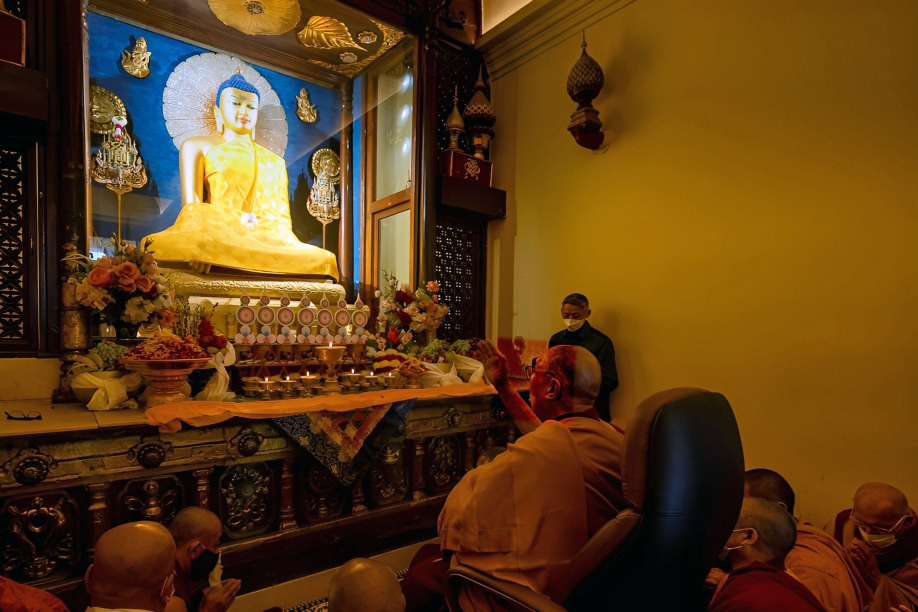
865,562
715,576
495,363
219,598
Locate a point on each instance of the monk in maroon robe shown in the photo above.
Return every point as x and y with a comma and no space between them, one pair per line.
15,597
880,534
525,515
758,582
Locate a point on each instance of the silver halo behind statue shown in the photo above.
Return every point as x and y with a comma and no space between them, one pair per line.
188,100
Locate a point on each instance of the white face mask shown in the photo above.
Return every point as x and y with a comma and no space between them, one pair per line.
573,324
879,540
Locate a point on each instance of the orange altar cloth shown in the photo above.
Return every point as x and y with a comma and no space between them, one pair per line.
168,417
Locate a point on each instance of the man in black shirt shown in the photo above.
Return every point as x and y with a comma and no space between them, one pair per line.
575,309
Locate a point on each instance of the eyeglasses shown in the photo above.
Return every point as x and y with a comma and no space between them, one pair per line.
19,415
531,370
873,529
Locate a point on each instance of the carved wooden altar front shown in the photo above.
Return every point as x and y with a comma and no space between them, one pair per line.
284,514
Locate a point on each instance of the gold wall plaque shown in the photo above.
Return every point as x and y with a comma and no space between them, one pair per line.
104,105
327,161
326,33
305,110
137,62
257,17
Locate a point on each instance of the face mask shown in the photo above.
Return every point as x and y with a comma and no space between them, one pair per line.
216,576
728,549
203,565
573,324
879,540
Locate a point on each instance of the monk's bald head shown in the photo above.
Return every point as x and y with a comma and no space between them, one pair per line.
364,585
578,377
880,504
770,485
774,526
194,523
131,566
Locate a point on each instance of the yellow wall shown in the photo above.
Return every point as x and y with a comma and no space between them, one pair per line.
751,229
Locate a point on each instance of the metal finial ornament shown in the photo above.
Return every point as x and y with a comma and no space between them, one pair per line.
583,85
118,165
305,110
479,117
137,62
454,123
323,203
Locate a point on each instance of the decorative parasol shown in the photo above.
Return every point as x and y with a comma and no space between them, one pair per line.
188,100
254,17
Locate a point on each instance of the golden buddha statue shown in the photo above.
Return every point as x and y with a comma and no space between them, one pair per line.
243,223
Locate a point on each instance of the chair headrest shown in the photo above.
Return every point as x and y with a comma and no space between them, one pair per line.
638,435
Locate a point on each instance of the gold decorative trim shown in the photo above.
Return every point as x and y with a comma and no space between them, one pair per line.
137,62
257,17
326,33
391,37
186,283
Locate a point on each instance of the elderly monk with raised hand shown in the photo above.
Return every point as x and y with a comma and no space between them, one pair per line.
817,560
879,533
524,516
364,585
756,550
197,534
133,569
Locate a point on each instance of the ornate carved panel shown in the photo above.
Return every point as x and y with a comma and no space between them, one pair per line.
323,496
460,270
247,499
443,463
150,499
15,242
29,467
455,69
387,478
39,536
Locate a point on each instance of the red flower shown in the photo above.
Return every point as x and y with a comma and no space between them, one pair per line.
205,328
404,318
392,336
401,296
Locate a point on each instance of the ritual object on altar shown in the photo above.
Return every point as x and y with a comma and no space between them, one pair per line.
329,356
480,118
118,165
413,369
164,360
404,315
126,290
245,223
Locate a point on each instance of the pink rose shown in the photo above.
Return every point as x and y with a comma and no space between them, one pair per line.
100,277
127,271
128,285
144,284
106,263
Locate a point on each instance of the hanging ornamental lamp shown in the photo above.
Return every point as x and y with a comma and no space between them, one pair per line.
583,85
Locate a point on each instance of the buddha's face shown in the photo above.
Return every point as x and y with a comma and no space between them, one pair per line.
237,110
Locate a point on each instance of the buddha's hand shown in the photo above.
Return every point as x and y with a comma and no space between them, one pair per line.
495,364
219,598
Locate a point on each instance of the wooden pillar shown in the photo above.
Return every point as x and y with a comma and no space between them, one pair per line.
287,507
427,156
417,470
346,221
468,452
99,514
202,487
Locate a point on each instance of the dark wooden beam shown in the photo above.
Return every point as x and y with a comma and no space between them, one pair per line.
346,222
487,202
23,92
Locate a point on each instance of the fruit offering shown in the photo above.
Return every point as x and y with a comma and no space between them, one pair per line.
167,347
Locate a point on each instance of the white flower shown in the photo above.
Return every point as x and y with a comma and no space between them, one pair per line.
137,310
392,282
405,288
411,310
378,293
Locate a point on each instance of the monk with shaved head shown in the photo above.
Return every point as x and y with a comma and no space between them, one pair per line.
880,535
133,569
197,534
526,514
756,550
364,585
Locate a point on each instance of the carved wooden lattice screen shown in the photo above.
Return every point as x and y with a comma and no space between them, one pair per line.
460,271
16,322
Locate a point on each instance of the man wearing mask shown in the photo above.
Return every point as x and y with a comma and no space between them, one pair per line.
575,309
758,582
880,535
197,582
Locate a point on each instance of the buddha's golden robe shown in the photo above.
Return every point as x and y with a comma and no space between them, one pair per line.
242,177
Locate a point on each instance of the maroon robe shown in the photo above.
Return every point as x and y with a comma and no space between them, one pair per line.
760,587
15,597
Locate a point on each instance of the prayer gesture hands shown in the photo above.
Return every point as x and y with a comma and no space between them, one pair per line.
865,562
219,598
495,364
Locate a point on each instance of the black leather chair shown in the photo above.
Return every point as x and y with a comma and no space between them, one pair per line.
683,480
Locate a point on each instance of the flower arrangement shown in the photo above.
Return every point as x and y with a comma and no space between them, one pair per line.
404,314
126,288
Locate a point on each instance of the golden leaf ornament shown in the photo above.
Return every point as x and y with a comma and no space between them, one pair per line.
326,33
258,17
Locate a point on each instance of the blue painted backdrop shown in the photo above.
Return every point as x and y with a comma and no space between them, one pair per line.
155,206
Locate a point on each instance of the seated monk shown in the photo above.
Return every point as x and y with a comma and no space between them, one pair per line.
817,560
525,515
364,585
765,533
197,534
133,569
879,533
15,597
244,221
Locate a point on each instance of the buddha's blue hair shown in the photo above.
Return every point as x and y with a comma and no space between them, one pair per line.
237,81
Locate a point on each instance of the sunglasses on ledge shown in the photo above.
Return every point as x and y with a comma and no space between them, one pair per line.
19,415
